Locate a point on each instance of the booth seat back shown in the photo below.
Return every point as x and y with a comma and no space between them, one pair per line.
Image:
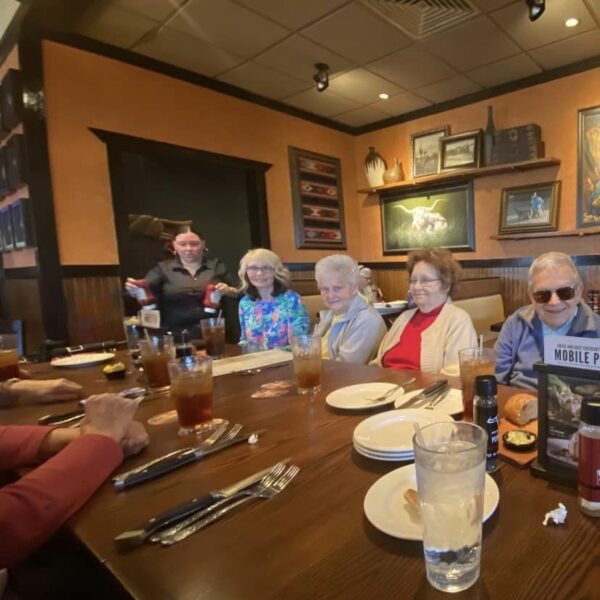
484,312
311,298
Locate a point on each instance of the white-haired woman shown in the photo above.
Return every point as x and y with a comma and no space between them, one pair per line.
351,330
270,312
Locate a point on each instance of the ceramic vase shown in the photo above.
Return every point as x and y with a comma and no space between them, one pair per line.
374,167
488,137
394,173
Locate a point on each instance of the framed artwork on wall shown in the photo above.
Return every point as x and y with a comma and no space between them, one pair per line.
425,151
588,168
317,199
440,216
530,208
460,151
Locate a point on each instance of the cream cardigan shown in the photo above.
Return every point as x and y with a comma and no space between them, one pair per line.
452,331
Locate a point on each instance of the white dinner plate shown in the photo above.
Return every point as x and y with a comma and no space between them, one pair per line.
388,457
392,431
356,397
388,511
451,404
84,359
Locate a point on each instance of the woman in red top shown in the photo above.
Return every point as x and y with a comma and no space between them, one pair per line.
427,338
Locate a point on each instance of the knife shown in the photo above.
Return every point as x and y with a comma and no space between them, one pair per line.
135,537
426,394
62,418
174,460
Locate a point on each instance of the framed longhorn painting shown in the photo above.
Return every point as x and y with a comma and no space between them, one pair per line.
317,199
430,217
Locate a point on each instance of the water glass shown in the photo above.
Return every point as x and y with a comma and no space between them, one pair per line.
306,350
132,335
192,391
450,465
156,352
213,334
9,356
473,362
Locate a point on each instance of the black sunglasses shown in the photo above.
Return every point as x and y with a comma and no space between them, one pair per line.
564,293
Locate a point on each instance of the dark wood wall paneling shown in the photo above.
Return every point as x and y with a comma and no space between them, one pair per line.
23,296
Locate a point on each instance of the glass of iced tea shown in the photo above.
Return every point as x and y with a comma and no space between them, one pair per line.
213,334
306,350
474,362
192,392
9,357
156,352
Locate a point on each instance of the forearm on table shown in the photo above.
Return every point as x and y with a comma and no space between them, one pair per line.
34,507
21,444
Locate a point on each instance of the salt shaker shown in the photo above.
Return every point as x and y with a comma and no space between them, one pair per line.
589,458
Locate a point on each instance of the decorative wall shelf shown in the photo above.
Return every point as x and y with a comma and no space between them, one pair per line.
539,163
547,234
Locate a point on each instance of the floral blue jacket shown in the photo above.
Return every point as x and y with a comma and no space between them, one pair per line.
270,324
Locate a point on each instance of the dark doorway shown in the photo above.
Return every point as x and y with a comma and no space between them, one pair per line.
224,197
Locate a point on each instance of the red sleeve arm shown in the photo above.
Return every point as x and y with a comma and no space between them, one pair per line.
20,445
34,507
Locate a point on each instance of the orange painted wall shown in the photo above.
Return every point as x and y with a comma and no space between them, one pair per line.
551,105
85,90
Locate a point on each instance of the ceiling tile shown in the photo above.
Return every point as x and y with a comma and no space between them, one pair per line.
114,25
325,103
297,56
455,87
472,44
412,67
362,86
594,5
550,27
361,116
155,9
401,104
188,52
357,33
228,26
487,5
586,45
263,81
292,13
509,69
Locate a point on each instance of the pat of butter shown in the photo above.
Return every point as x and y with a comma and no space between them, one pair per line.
253,439
558,515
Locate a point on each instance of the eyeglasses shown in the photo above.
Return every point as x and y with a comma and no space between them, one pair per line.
563,293
253,269
412,281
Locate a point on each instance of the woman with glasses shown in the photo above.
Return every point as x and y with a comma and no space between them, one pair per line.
554,288
270,312
351,329
428,337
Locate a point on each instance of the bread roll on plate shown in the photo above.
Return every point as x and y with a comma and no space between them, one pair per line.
521,408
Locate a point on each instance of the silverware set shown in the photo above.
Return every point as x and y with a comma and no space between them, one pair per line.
178,523
391,391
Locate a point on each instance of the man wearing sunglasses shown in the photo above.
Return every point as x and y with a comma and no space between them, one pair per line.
554,288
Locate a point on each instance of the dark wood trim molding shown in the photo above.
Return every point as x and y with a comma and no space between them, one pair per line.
74,271
11,36
129,57
22,273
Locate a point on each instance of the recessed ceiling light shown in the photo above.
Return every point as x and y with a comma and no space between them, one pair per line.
384,96
572,22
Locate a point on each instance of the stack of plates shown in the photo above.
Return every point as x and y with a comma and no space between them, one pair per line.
388,435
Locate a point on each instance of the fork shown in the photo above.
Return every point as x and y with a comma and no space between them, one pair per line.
437,398
263,490
391,391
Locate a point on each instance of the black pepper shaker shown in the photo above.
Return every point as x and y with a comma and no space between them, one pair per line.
485,414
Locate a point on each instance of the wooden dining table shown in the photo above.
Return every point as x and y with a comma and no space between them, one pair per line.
313,540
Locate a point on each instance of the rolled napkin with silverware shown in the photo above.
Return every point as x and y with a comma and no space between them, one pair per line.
93,347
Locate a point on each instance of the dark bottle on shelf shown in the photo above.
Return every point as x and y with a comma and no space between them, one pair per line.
485,414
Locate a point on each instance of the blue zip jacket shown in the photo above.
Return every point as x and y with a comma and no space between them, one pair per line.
521,343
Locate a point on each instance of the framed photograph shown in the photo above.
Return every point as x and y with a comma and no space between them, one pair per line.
6,229
425,151
22,223
317,199
460,151
561,391
441,216
530,208
588,168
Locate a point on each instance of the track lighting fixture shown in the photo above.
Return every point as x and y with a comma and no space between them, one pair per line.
321,77
536,8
